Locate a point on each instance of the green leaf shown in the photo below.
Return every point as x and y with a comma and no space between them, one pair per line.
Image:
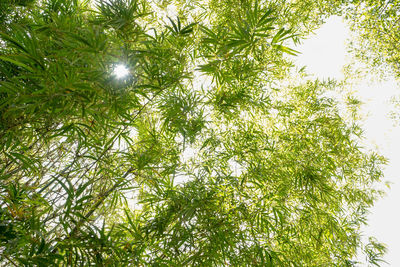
17,63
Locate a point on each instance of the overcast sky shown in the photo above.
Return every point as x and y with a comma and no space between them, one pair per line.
324,55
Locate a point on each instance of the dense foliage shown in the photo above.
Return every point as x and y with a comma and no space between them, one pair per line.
377,25
207,153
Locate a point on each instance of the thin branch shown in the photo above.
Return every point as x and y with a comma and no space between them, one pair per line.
118,134
11,261
100,200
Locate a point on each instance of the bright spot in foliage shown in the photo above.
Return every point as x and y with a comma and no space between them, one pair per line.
120,71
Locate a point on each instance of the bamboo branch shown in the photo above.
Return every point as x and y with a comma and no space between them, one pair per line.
100,200
103,196
10,260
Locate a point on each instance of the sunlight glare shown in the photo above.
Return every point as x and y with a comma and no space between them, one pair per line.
121,71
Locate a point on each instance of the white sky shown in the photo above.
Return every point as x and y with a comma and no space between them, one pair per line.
324,55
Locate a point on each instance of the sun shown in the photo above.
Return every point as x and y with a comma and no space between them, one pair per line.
121,71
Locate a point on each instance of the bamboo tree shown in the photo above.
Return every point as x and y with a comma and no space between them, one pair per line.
206,153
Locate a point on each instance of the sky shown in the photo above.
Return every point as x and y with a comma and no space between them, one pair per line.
324,55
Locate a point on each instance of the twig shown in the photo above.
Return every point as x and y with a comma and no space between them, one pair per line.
8,258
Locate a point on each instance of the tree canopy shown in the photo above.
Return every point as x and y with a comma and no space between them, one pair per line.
378,28
212,151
